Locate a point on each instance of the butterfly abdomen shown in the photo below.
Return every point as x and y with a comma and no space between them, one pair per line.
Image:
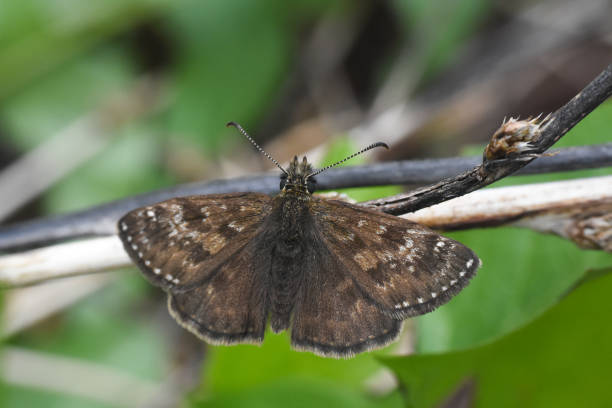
289,248
286,279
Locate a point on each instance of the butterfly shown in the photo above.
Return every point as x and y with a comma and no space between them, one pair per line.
340,277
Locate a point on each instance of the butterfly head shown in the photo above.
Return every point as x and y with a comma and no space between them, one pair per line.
298,178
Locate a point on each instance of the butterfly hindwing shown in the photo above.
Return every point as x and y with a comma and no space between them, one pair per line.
332,317
230,307
406,268
179,243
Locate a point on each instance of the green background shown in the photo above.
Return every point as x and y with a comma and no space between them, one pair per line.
512,334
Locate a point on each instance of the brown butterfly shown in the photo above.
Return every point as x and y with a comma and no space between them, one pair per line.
341,277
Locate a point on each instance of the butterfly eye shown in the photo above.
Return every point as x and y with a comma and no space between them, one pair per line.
311,184
283,181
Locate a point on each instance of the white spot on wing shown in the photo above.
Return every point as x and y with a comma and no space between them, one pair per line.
361,223
405,304
150,213
123,226
420,300
156,271
469,263
381,230
387,256
233,225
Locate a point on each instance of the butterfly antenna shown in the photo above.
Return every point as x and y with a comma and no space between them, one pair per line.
372,146
241,130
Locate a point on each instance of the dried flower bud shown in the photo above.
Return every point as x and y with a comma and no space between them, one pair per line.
514,137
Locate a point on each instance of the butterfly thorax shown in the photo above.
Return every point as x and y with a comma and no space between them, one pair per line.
292,210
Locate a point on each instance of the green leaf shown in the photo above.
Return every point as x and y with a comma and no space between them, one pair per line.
297,394
523,274
275,361
274,375
562,359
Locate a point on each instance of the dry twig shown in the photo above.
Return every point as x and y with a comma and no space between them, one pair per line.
101,220
531,139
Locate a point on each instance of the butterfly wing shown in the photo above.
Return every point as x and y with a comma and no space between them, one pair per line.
231,307
198,250
180,242
405,268
332,317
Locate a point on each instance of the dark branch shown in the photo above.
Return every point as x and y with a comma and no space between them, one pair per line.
521,142
101,220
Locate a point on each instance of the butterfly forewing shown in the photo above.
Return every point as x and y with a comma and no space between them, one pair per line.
180,243
404,267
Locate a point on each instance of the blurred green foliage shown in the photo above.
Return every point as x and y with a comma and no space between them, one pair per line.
37,37
439,28
232,58
60,59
